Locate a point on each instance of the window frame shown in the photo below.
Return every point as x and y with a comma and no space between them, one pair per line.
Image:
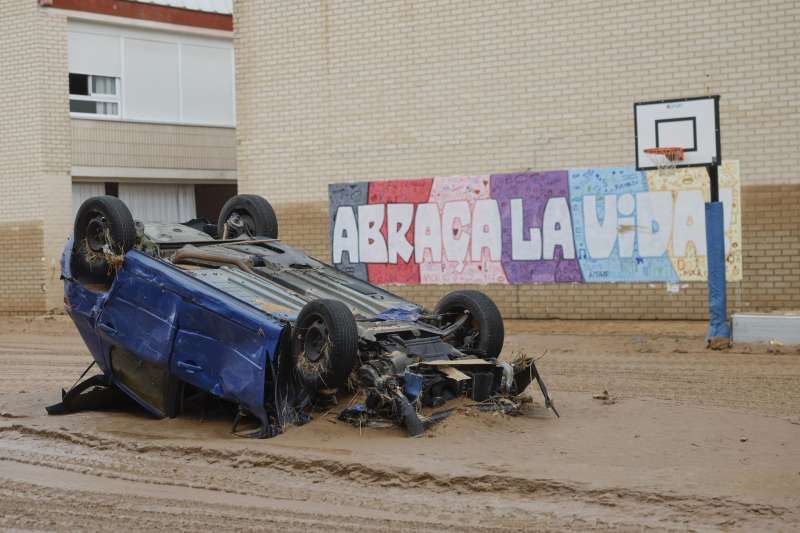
99,97
226,118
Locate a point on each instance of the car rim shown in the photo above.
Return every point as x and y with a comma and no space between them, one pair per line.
240,223
249,224
96,233
315,341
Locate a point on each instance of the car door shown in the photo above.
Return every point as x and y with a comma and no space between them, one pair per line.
224,347
136,324
162,325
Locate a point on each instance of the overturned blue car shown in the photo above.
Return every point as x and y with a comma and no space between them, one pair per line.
175,312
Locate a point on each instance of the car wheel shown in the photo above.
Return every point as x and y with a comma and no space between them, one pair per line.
103,229
482,333
247,214
324,344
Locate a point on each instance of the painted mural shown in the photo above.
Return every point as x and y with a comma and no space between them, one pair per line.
591,225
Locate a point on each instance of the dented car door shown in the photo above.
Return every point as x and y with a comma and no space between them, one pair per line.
137,325
163,326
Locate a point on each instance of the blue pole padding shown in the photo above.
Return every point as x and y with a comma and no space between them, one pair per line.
717,298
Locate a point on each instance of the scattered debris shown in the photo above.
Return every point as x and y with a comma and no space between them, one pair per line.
774,346
719,343
605,397
399,397
506,406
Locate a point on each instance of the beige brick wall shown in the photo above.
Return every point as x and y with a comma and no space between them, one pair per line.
339,91
22,270
35,201
104,143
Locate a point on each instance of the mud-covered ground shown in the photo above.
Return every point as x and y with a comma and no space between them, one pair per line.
688,439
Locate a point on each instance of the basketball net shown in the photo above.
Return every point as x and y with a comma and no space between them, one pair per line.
665,158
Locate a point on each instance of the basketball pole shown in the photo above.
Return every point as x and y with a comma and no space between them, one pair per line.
718,326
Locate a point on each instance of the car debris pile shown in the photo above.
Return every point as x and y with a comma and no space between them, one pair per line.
176,312
397,386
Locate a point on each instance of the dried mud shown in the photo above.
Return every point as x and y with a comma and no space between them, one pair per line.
694,439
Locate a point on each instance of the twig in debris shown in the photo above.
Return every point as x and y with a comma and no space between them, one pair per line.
353,400
505,406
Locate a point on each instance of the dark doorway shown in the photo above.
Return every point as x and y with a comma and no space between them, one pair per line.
209,199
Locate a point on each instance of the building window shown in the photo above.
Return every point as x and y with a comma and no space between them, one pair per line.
93,95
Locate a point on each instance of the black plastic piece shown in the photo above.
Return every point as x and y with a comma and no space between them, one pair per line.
482,385
408,417
100,396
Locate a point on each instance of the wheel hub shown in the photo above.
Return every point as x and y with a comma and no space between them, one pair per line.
314,342
240,224
466,337
96,234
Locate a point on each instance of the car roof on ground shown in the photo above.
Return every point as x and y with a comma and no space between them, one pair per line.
174,233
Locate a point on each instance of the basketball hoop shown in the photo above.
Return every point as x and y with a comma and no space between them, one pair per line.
666,158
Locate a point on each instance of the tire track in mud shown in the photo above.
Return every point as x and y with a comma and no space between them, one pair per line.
195,510
673,508
74,510
334,503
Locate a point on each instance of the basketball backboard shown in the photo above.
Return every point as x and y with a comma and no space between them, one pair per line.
688,123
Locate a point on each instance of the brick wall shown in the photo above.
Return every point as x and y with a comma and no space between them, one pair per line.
22,271
340,91
104,143
35,201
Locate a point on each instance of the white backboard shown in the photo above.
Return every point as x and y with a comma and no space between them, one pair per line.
690,123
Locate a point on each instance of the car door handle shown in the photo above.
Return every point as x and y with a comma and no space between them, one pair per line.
108,328
189,366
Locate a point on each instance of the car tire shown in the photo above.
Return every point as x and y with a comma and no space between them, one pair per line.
483,333
324,344
255,212
101,221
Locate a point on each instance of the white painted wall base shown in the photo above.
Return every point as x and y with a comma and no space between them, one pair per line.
764,327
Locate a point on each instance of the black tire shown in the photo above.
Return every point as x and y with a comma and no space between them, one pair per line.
483,332
256,214
101,221
324,344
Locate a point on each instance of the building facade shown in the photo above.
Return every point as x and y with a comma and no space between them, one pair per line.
339,92
131,99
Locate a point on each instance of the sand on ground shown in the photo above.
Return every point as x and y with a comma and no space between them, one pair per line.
689,438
